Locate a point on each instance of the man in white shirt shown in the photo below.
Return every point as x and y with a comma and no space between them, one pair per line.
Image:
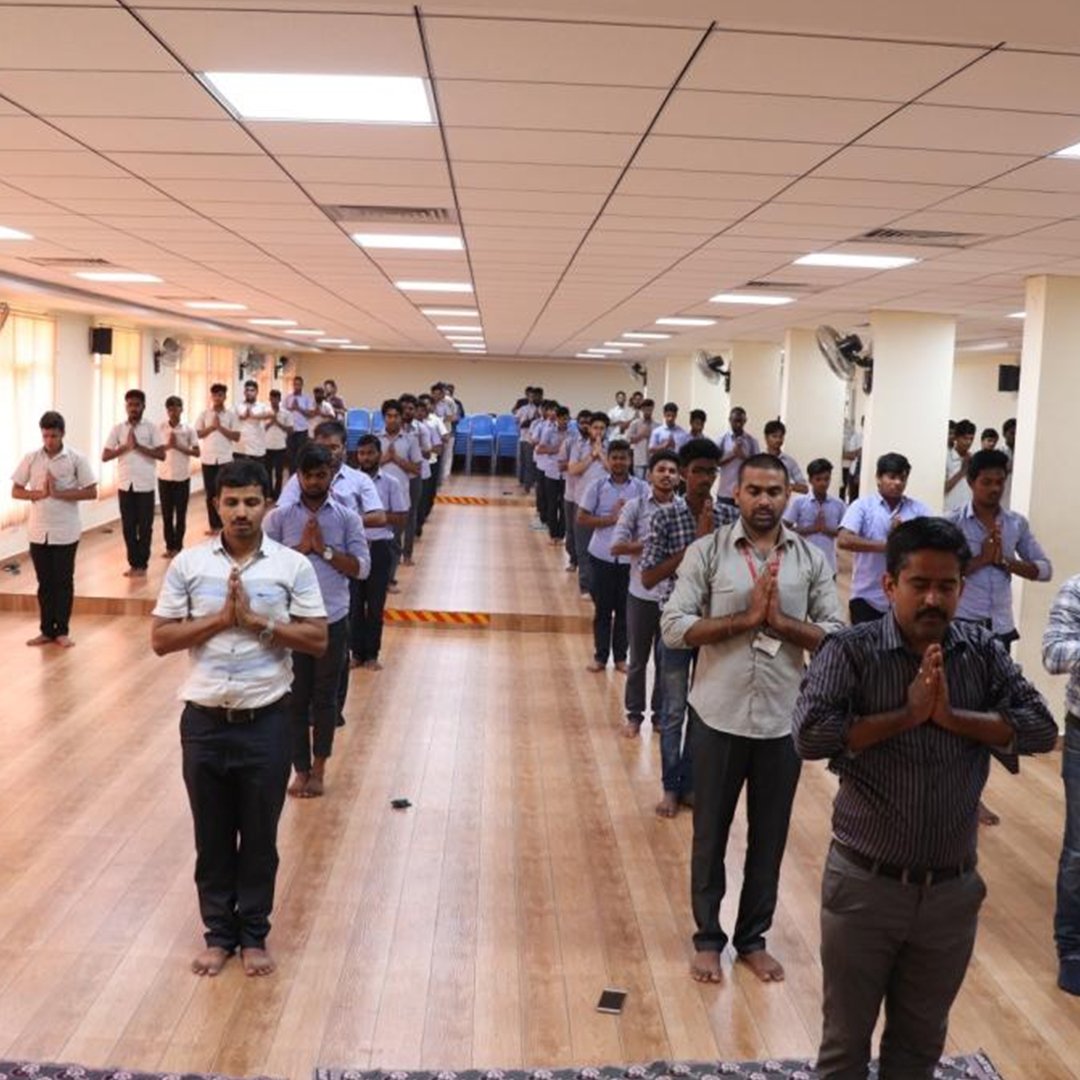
238,603
638,434
252,415
446,410
775,433
736,445
621,414
218,430
956,489
335,400
54,480
852,462
422,437
135,445
401,460
174,474
429,475
302,408
279,425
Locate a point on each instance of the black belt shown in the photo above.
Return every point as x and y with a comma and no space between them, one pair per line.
907,875
238,716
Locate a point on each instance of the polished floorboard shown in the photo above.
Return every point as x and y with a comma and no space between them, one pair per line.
477,927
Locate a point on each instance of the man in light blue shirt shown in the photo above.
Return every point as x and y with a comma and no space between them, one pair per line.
866,527
817,515
599,511
587,464
332,537
735,447
669,436
577,439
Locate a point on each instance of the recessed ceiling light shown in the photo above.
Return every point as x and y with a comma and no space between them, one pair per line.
354,348
1018,315
273,322
625,344
13,234
855,262
306,333
603,352
405,242
471,348
447,329
356,99
116,276
763,299
333,341
1069,152
453,312
679,321
984,346
434,286
464,337
645,334
214,305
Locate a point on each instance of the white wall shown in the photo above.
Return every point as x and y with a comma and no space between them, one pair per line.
975,395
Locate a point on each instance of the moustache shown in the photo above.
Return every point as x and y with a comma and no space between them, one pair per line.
931,613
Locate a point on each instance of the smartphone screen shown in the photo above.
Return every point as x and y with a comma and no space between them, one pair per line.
611,1001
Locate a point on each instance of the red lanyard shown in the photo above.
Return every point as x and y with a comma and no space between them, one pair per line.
773,564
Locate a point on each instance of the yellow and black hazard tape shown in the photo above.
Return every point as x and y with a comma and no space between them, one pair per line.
414,617
462,500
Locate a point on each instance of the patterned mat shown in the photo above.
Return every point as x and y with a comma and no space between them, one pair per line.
32,1070
969,1066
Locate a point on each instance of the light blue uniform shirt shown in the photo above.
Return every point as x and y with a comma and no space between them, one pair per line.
350,487
633,524
802,513
599,500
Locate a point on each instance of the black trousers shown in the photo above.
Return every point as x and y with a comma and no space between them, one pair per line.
275,467
428,489
415,492
541,494
368,603
315,702
770,769
235,775
54,565
859,611
294,443
210,475
137,522
553,505
174,495
610,588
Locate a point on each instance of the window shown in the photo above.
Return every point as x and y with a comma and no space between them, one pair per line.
114,375
27,371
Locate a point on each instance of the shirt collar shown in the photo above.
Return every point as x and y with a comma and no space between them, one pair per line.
899,506
892,639
738,532
217,546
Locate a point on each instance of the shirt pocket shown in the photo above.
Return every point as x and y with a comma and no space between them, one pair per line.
725,599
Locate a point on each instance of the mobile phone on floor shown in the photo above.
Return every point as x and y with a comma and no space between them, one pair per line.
611,1001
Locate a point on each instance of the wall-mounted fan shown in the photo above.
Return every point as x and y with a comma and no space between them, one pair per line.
845,354
250,360
168,353
713,369
5,311
640,372
280,364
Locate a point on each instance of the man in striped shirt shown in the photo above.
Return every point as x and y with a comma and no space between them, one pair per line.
1061,656
908,709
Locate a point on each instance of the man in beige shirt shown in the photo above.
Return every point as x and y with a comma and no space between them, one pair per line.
753,598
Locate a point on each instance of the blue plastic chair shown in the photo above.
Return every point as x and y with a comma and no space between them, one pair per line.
358,420
507,438
377,424
461,436
481,441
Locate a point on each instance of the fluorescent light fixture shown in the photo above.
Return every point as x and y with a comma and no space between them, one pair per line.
273,322
985,346
333,341
306,333
646,335
453,312
13,234
354,348
353,99
406,242
603,352
214,305
764,299
116,276
855,262
625,344
434,286
680,321
464,337
1069,151
471,348
1018,315
460,329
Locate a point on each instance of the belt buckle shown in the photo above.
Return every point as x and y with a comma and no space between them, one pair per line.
238,716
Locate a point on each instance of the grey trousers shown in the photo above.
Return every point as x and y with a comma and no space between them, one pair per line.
643,632
905,945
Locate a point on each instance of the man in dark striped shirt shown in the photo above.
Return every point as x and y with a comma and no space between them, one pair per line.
908,710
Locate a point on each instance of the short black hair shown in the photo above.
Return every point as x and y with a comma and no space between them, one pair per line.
330,429
818,466
893,463
1009,425
764,461
924,534
737,409
774,426
312,456
984,461
367,439
619,446
584,414
664,455
241,474
135,395
407,399
251,382
562,411
989,433
698,450
390,405
965,427
648,401
600,416
536,389
172,400
219,388
52,421
670,406
698,414
275,392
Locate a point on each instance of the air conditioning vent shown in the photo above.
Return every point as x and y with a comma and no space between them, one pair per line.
67,263
924,237
392,215
786,286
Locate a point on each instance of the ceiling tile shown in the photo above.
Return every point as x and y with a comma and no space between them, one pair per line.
539,147
1039,82
26,133
165,166
412,172
999,201
17,164
1046,175
707,186
730,155
350,140
917,166
533,177
877,193
173,136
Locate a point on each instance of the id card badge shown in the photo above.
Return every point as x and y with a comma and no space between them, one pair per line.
766,644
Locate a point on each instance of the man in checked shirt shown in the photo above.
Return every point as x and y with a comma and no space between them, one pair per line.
908,709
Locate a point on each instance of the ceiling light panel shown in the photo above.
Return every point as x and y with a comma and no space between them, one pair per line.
456,313
407,242
117,276
214,305
356,99
434,286
746,298
677,320
843,261
644,334
7,233
273,322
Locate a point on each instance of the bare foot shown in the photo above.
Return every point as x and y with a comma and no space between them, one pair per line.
622,666
64,642
210,961
298,788
705,967
41,639
668,806
372,665
315,787
355,662
767,968
631,729
987,816
595,666
393,588
257,962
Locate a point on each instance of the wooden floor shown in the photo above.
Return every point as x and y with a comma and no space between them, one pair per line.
476,928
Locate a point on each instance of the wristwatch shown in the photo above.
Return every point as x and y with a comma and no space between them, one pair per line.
266,634
328,554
